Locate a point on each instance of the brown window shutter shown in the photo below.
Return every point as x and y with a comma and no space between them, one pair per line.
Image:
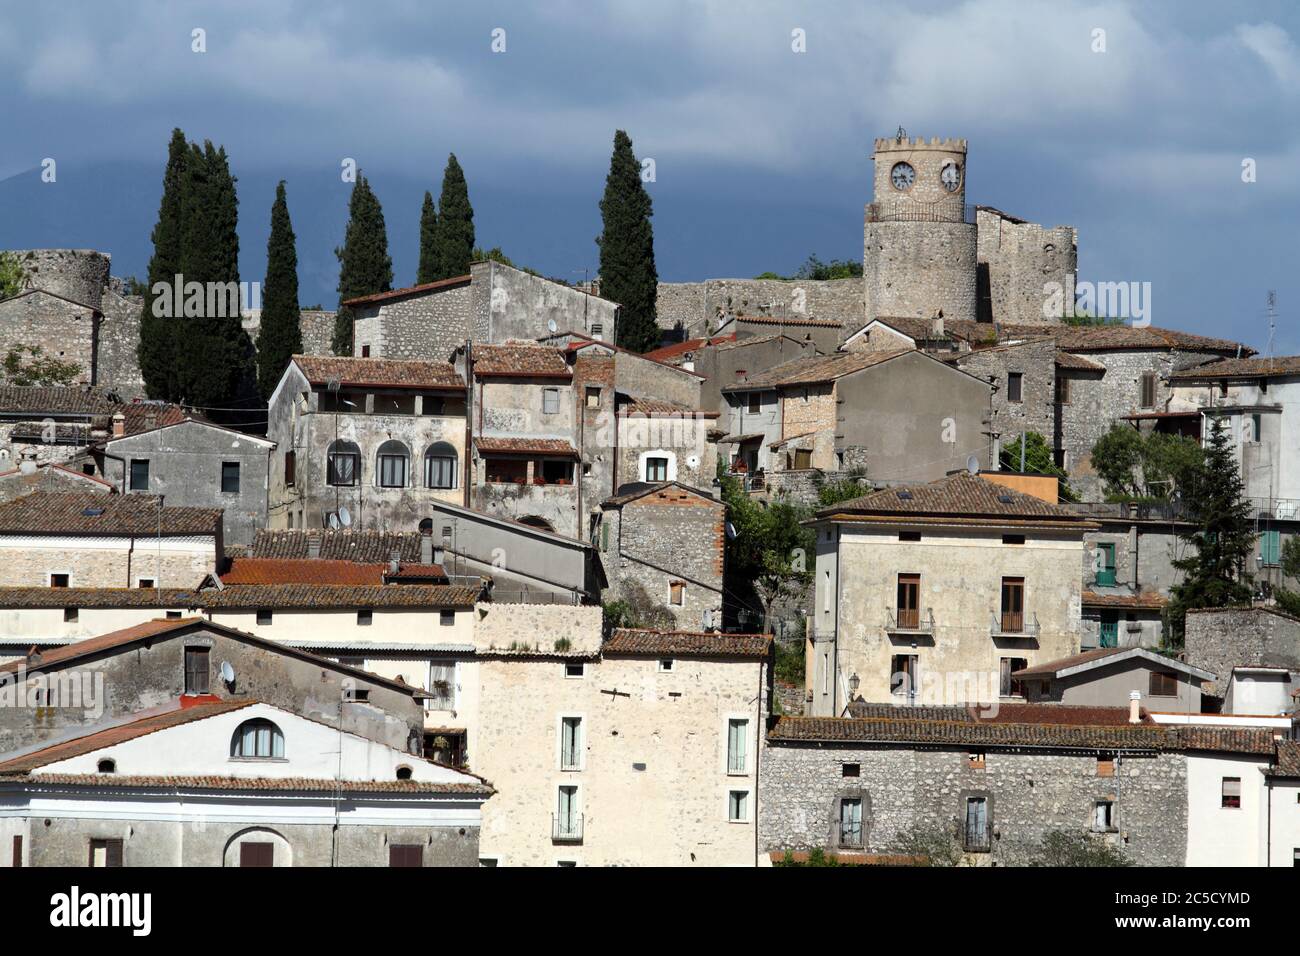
113,853
18,852
405,855
256,854
290,467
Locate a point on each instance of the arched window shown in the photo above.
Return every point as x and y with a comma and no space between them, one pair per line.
403,772
342,463
394,460
440,466
107,765
257,738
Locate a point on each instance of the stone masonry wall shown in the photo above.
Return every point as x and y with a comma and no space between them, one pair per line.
916,269
1020,258
1223,638
1030,794
701,307
64,331
1036,410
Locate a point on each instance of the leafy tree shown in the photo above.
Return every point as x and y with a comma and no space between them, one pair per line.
1038,461
815,269
790,661
844,489
1222,536
38,369
428,269
770,553
365,267
155,351
280,336
12,275
816,857
636,609
1288,600
935,845
1072,848
1135,466
454,232
627,249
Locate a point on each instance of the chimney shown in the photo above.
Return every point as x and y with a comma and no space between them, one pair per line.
437,557
27,463
394,561
119,424
936,325
313,546
426,548
1135,707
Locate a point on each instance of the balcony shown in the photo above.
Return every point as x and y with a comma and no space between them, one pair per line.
907,210
1015,624
566,829
910,621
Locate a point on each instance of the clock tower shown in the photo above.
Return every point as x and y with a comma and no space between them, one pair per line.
919,237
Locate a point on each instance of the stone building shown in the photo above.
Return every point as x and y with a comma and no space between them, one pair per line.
1018,261
992,790
700,309
164,664
375,438
196,464
641,751
30,476
1254,653
939,592
664,544
62,540
236,783
726,359
492,305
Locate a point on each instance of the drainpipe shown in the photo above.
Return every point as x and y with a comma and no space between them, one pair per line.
469,417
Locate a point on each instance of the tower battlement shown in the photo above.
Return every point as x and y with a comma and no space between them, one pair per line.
948,145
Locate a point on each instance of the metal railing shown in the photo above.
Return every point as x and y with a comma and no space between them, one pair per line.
910,620
911,211
566,829
1015,624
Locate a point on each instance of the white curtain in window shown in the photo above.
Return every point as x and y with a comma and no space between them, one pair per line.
737,732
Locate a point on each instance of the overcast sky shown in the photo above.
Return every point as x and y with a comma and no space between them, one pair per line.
761,153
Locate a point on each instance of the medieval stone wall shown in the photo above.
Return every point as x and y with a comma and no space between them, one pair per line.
701,307
917,269
1019,259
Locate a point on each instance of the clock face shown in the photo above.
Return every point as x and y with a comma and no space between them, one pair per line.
950,176
902,176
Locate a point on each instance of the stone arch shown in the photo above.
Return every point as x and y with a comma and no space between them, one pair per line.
281,848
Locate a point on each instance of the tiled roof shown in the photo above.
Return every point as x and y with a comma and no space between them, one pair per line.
520,361
293,596
1063,665
525,446
56,399
1066,359
634,641
1241,368
379,373
1049,668
792,323
919,330
407,291
1002,712
1094,338
960,495
814,370
1147,600
431,573
45,597
54,470
639,489
1288,760
146,416
45,512
677,349
244,571
259,784
659,408
93,645
112,736
1109,737
365,547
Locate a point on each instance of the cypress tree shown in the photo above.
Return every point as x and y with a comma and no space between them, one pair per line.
1222,537
454,233
428,270
155,350
627,249
280,337
364,264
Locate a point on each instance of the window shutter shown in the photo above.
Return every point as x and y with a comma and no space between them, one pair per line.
290,467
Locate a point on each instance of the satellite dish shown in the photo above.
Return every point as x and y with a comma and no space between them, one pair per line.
550,324
333,520
731,531
345,517
227,672
973,464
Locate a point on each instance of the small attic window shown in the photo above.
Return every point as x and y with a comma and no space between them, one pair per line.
92,512
905,495
403,773
1005,499
107,765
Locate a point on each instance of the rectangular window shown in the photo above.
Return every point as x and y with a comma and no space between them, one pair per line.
145,583
975,831
405,854
197,670
737,739
850,770
802,459
755,402
1270,548
342,468
665,665
902,679
593,396
105,852
575,670
1103,816
677,594
392,471
571,743
909,536
656,469
975,760
365,617
506,471
139,474
1148,396
365,351
1232,793
568,819
1014,384
442,685
263,616
18,852
71,615
1106,564
1256,423
738,806
550,401
433,405
290,471
446,618
1062,390
1010,686
230,477
257,854
1105,765
909,596
59,580
439,471
1013,605
1163,684
851,822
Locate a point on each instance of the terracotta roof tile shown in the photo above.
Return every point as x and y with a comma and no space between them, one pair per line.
636,641
244,571
1241,368
365,547
1288,760
259,784
659,408
408,291
1066,359
677,349
813,370
55,399
792,323
959,495
290,596
379,373
1006,713
1094,338
44,512
525,446
520,361
1147,600
46,597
